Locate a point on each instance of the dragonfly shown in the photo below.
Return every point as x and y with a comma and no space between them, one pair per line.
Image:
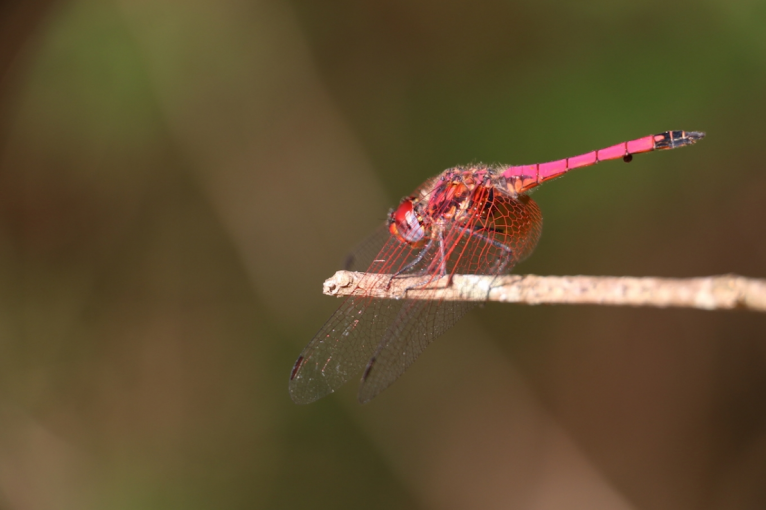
475,219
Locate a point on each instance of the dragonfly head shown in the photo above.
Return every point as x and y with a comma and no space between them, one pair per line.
405,224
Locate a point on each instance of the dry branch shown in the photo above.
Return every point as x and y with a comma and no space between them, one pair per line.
707,293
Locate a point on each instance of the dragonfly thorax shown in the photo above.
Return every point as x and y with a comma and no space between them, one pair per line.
459,196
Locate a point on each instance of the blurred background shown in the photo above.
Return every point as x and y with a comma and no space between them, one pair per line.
177,179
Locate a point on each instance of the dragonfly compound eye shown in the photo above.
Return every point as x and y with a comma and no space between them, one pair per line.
404,223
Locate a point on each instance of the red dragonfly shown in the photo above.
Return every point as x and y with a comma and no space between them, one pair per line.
467,220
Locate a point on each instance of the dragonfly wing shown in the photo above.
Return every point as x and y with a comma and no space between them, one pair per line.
363,255
490,246
344,345
341,348
415,327
392,333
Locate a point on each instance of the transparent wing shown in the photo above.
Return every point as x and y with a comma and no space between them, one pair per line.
341,348
416,326
344,345
363,255
491,246
391,334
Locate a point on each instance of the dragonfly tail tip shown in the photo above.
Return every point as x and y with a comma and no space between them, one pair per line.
695,135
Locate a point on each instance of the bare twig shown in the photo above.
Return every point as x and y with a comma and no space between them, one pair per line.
707,293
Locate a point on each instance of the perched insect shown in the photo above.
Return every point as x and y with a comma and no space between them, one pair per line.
467,220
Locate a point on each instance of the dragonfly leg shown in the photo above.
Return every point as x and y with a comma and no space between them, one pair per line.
442,263
407,267
503,262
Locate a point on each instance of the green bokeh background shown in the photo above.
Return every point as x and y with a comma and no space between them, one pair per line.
178,178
